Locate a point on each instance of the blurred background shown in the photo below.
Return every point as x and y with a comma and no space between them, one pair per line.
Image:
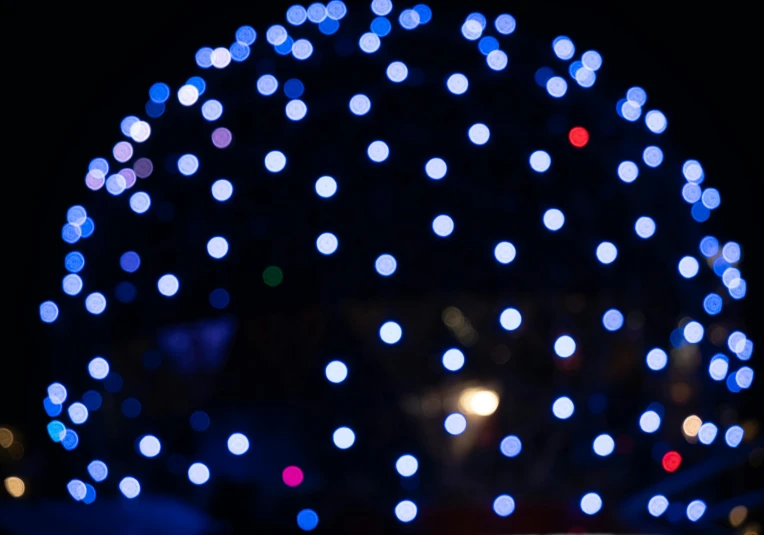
244,345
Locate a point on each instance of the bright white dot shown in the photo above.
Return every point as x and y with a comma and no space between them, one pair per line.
612,320
711,198
707,433
386,265
504,505
497,60
565,346
472,30
695,510
267,85
734,436
296,15
409,19
72,284
736,341
221,57
563,408
455,424
378,151
554,219
317,12
150,446
98,470
343,438
746,351
556,86
381,7
275,161
78,413
606,252
397,71
198,474
510,319
406,511
592,60
130,487
212,110
327,243
479,134
628,171
645,227
693,171
656,122
57,393
369,42
511,446
407,465
540,161
637,95
95,303
77,489
443,226
591,503
115,185
140,202
326,187
436,168
187,95
649,422
276,35
630,111
140,131
48,311
563,48
238,444
336,371
390,332
652,156
76,215
336,9
360,105
603,445
188,164
98,368
656,359
693,332
657,505
688,267
457,84
453,360
302,49
718,367
744,377
731,252
505,24
168,285
505,252
217,247
222,190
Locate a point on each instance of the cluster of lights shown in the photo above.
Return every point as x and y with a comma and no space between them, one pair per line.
474,402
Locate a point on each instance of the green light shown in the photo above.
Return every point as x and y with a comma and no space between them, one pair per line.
272,276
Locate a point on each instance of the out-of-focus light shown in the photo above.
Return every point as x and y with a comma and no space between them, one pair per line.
6,437
56,430
671,461
479,401
504,505
563,48
140,202
554,219
693,171
628,171
275,161
15,486
369,42
457,84
505,252
693,332
78,413
397,72
695,510
592,60
327,243
603,445
650,421
198,473
511,446
238,444
360,105
688,267
711,198
381,7
217,247
497,60
657,505
77,489
381,26
408,19
436,168
607,253
336,371
510,319
645,227
199,421
479,134
652,156
744,377
343,438
378,151
267,85
691,193
98,471
731,252
455,424
72,284
48,312
540,161
629,110
591,503
307,520
707,433
296,15
425,13
98,368
188,164
718,367
406,511
51,409
556,86
443,226
738,515
130,487
302,49
57,393
390,333
565,346
71,440
656,121
386,265
578,137
637,95
563,408
505,24
657,359
246,35
168,285
222,190
488,44
149,446
472,30
734,436
212,110
276,35
292,476
407,465
453,360
612,320
736,341
712,304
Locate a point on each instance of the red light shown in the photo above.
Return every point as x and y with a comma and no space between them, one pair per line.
671,461
579,137
292,476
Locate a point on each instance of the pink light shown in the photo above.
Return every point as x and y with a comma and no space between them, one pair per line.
129,175
292,476
143,167
221,137
95,179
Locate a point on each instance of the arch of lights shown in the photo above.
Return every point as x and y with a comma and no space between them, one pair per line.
488,36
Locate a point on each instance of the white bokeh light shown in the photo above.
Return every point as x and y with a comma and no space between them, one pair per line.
390,332
238,444
443,226
217,247
540,161
455,424
505,252
327,243
343,438
453,360
149,446
275,161
510,319
336,371
563,408
378,151
436,168
326,187
479,134
407,465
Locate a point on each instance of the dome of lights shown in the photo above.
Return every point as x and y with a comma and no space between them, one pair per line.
284,275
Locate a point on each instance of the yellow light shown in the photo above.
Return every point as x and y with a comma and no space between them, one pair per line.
14,486
479,401
6,437
691,426
738,515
